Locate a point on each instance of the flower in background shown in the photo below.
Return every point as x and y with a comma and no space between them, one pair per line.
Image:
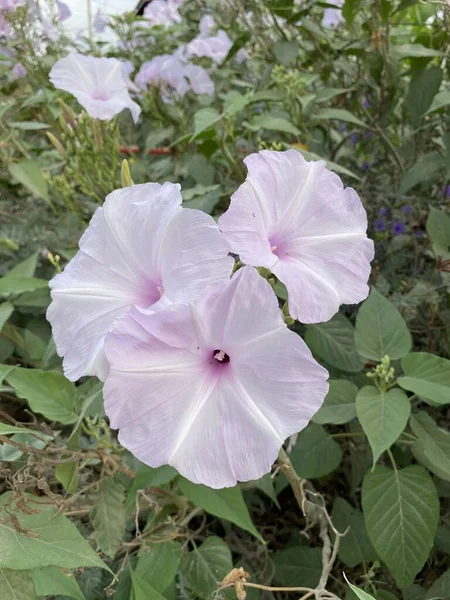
332,17
354,138
366,104
162,12
164,69
366,166
398,227
50,30
64,11
101,21
206,26
128,68
140,249
19,70
98,84
214,387
379,225
11,5
446,191
420,233
5,29
215,47
407,209
199,79
383,212
296,218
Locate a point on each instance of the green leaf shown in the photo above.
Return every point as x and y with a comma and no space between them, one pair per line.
143,590
159,564
234,102
51,581
11,429
440,590
355,547
316,453
204,567
6,310
298,565
145,477
426,375
46,537
326,114
401,510
441,100
286,51
28,173
16,585
108,516
349,10
265,484
381,329
339,405
383,416
226,503
438,230
442,539
10,453
26,268
271,123
47,392
203,120
421,172
28,125
423,88
334,342
433,445
327,94
415,51
18,285
361,594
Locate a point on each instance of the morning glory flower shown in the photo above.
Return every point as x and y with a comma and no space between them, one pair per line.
64,11
379,225
332,17
50,30
215,47
199,79
140,249
206,26
214,387
162,12
101,21
296,218
164,69
5,29
398,228
98,84
11,5
19,70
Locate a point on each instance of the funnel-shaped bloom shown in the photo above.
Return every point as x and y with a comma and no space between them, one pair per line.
201,82
296,218
212,388
64,11
98,84
141,248
215,47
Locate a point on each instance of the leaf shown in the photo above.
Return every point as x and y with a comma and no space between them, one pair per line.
361,594
146,476
267,121
26,268
339,405
298,565
438,230
50,538
47,392
265,484
18,285
441,100
421,172
401,511
415,51
334,342
11,429
28,173
326,114
203,120
355,547
383,416
108,516
423,88
440,590
286,51
234,102
51,581
442,539
381,329
327,94
426,375
226,503
16,585
205,566
6,310
28,125
433,444
159,564
316,453
143,590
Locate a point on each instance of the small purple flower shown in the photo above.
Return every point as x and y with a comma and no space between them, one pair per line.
407,209
379,225
366,104
354,138
446,192
398,228
419,233
366,166
342,127
19,70
383,212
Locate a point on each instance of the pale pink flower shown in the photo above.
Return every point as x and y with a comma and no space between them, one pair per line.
332,17
64,11
215,47
50,30
241,56
98,84
164,69
101,21
206,26
140,249
11,5
5,29
162,12
199,79
19,70
296,218
212,388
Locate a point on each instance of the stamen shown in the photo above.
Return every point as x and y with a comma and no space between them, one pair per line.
221,356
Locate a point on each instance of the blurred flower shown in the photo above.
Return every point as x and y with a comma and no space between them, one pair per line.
379,225
201,82
11,5
407,209
354,138
446,191
162,12
140,249
19,70
101,21
383,212
420,233
215,47
128,68
332,17
398,227
241,56
296,218
165,68
50,30
5,29
366,166
98,84
206,26
64,11
212,388
366,104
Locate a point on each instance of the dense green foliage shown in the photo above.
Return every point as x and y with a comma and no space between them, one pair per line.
80,517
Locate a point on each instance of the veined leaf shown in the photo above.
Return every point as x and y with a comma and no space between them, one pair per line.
298,563
10,285
51,581
143,590
433,444
6,310
339,405
16,585
108,516
340,114
316,453
426,375
159,564
355,547
28,173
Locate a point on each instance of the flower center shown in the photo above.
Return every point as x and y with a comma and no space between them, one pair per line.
221,356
